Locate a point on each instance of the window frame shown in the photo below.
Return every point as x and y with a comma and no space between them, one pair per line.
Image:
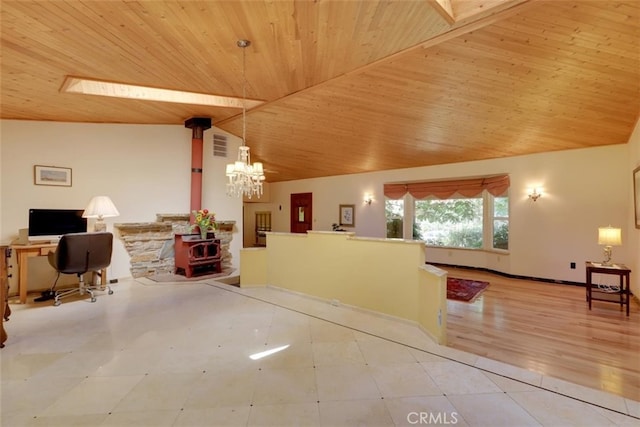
488,219
500,218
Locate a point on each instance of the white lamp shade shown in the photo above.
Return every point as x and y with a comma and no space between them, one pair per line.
100,207
609,236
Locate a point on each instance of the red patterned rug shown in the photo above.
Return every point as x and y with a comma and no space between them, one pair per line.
464,289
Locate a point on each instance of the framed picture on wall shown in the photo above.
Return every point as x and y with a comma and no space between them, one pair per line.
51,175
348,215
636,194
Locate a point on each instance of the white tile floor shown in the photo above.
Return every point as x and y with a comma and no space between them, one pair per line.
178,355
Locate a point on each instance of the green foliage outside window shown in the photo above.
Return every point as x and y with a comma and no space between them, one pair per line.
394,228
394,212
450,222
501,223
456,222
500,235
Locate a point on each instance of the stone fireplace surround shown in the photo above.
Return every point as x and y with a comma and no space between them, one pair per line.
150,244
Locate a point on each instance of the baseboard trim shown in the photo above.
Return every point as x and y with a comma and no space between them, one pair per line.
511,276
515,276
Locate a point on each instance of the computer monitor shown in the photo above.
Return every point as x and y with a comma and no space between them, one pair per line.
51,224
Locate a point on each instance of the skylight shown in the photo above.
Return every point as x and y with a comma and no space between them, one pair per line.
145,93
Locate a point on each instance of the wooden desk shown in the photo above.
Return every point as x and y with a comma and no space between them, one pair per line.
622,296
23,253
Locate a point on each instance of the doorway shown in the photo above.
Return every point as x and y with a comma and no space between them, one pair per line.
263,225
301,212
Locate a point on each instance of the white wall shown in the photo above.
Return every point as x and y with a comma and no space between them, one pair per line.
633,240
145,169
583,189
2,240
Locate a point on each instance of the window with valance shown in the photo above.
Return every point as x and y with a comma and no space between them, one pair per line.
469,213
472,187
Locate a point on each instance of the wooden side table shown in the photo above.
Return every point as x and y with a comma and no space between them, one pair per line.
621,296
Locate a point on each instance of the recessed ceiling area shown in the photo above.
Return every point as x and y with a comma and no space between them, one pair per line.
348,87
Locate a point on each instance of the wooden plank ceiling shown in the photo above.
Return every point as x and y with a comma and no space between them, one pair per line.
349,86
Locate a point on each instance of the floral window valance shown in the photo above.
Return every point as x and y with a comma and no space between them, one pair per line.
495,185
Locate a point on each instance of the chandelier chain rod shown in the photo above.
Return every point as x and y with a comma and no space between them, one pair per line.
244,95
245,178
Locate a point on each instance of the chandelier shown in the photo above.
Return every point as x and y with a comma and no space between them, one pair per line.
244,178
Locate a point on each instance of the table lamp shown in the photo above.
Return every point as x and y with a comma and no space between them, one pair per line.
100,207
609,236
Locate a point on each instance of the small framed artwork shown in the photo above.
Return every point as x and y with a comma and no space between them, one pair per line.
636,194
348,215
51,175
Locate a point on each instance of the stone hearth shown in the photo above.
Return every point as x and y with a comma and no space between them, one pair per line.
150,244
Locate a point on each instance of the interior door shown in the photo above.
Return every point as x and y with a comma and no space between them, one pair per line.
301,212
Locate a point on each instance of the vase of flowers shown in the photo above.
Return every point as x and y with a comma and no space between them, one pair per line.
205,221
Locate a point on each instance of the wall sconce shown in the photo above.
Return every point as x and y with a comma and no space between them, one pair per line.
609,236
368,198
534,194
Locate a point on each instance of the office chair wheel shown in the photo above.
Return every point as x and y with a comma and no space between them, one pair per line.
93,299
57,303
110,291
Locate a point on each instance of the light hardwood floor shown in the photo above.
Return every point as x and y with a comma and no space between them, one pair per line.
548,328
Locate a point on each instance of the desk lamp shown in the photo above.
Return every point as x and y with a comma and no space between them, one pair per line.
100,207
609,236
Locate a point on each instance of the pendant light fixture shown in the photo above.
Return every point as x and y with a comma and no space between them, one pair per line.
244,178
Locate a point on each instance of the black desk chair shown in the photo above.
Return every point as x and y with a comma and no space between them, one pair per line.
79,253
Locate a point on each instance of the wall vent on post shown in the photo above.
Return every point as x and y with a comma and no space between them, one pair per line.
219,145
